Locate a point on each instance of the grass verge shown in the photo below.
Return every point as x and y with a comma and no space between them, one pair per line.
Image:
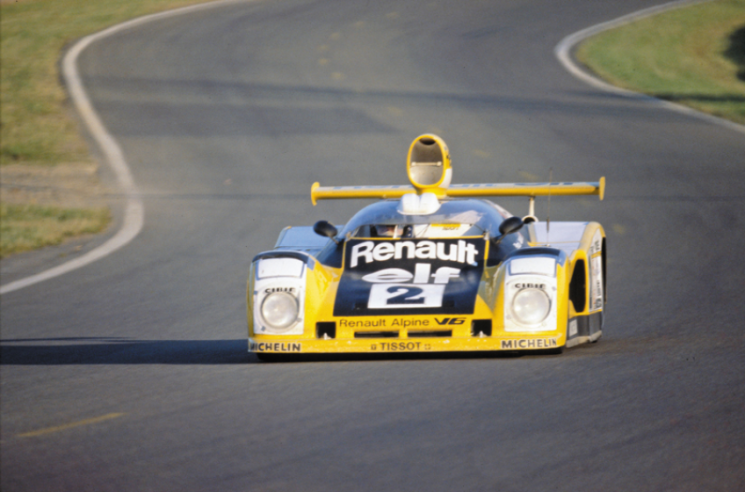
693,56
36,123
25,227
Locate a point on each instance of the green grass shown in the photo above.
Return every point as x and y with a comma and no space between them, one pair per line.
693,56
36,124
26,227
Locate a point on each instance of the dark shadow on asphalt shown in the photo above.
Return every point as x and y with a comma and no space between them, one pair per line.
116,350
388,356
693,97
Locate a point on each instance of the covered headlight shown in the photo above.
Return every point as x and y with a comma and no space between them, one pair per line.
279,309
531,306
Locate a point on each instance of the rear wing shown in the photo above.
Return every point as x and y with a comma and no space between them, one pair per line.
430,172
318,192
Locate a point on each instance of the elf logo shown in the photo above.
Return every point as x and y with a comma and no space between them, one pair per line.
450,321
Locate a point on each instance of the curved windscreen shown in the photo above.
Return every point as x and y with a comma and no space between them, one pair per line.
454,218
416,231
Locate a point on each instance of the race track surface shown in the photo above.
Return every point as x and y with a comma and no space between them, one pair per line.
132,374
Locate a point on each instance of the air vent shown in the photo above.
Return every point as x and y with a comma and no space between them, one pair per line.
326,330
431,334
376,334
578,287
481,328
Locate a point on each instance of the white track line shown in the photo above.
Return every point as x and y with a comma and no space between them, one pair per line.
134,215
563,52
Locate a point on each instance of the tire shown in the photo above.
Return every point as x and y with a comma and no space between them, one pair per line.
268,357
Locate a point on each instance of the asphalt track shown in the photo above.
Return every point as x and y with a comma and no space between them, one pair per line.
131,373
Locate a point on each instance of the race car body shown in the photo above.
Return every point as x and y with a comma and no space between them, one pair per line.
430,268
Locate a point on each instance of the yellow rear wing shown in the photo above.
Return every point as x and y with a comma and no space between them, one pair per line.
529,189
318,192
430,170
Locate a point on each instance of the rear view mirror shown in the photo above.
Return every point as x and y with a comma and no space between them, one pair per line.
323,228
513,224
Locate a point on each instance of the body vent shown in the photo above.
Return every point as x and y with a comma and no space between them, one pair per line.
431,334
326,330
376,334
578,287
481,327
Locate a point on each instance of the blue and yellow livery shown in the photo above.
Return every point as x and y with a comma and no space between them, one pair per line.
432,267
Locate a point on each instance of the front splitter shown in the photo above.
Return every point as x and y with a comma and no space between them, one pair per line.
385,345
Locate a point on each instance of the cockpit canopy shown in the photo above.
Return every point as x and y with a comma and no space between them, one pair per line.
417,231
454,218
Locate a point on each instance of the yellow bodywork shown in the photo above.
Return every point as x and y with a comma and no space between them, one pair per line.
437,180
319,192
321,289
429,170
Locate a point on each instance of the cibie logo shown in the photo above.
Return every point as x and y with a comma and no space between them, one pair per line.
462,252
280,289
530,286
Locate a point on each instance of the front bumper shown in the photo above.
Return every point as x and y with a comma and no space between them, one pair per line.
268,345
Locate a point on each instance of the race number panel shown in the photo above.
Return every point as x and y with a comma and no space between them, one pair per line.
405,296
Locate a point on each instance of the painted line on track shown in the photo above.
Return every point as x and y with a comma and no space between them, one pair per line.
57,428
134,212
563,52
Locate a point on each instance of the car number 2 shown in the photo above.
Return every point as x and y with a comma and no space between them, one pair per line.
384,296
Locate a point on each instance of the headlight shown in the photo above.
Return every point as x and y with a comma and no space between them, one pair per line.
279,309
531,306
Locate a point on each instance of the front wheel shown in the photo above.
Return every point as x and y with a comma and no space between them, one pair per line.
268,357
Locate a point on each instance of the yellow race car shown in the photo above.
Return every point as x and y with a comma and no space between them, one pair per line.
432,267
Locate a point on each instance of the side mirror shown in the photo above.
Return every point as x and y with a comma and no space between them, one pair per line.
323,228
513,224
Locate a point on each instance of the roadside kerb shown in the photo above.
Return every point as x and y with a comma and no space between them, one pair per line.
566,46
134,212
